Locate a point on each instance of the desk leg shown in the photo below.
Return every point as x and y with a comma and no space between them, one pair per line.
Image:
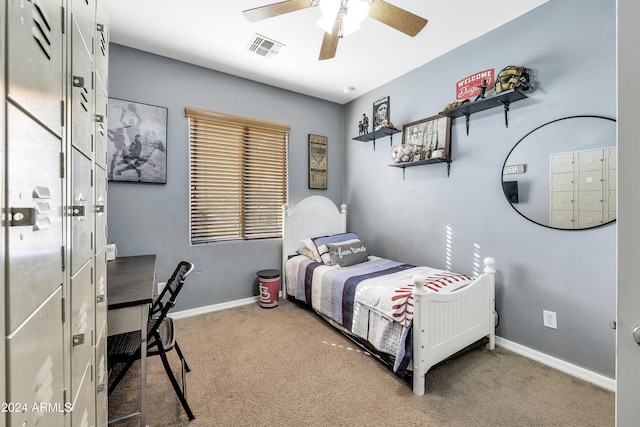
143,365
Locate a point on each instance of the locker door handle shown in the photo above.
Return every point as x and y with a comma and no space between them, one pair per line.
77,210
78,339
78,81
19,217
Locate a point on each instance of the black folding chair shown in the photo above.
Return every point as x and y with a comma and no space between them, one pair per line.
125,348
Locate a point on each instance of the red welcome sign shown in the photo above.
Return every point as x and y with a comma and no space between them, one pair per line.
470,86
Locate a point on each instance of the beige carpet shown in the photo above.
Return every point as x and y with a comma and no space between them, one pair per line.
287,367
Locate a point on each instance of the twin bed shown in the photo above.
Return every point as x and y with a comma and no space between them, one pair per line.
413,316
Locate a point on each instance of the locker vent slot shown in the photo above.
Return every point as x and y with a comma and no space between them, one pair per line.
103,40
85,99
79,82
41,31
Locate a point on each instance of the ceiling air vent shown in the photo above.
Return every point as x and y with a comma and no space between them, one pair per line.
264,46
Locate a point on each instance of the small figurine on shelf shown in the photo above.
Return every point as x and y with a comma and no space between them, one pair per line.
363,125
483,90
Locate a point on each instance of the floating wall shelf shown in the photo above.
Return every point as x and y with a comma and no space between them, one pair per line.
503,99
422,162
380,133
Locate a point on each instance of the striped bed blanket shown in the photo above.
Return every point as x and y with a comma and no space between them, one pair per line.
374,294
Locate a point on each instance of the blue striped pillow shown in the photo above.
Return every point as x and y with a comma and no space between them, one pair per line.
322,242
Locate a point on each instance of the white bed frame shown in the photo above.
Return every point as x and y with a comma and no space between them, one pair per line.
443,324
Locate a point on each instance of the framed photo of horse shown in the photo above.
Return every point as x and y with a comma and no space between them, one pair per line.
137,142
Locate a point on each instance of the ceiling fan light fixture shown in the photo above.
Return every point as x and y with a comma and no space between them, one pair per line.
356,13
330,10
351,13
326,23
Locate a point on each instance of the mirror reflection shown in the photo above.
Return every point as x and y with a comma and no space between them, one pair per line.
563,174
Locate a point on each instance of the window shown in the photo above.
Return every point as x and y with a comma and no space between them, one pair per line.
238,177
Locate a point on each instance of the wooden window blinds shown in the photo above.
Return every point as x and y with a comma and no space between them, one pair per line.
238,177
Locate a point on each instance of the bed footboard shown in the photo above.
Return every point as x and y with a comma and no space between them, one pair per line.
444,324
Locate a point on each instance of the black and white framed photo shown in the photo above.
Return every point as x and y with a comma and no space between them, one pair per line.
137,148
317,162
381,113
431,137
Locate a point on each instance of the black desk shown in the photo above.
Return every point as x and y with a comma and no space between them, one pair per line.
130,281
130,288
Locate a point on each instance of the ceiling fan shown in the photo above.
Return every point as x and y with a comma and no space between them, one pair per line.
338,15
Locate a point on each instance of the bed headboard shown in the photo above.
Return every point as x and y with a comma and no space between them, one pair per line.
311,217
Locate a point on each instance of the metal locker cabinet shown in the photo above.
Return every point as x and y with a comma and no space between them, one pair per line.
562,162
3,364
82,325
612,200
562,219
83,414
35,236
612,182
84,13
588,218
590,188
590,180
562,201
590,201
101,290
35,59
82,102
590,160
35,367
562,181
82,217
101,58
102,378
100,351
100,212
49,258
101,50
101,124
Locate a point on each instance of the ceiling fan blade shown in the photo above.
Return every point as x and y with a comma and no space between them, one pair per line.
397,18
330,42
275,9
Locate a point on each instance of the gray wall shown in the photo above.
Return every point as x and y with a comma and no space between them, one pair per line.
151,218
454,222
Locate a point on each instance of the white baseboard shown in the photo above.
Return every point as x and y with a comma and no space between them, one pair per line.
215,307
560,365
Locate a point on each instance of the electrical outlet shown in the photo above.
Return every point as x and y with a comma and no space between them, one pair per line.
549,319
160,287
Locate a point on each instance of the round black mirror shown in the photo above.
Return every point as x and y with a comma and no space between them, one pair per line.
563,174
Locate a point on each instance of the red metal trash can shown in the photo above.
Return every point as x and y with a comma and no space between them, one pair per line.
269,287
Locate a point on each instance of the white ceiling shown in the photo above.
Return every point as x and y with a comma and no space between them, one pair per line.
215,34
